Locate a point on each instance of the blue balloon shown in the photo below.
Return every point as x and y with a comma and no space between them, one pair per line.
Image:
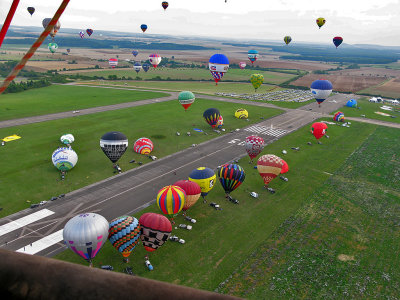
321,90
219,59
135,53
351,103
145,67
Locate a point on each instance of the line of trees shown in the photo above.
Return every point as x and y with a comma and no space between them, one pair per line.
26,85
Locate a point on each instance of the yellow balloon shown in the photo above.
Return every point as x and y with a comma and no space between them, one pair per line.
241,113
320,22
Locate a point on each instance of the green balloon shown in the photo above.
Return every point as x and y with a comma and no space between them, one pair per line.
53,47
256,80
186,99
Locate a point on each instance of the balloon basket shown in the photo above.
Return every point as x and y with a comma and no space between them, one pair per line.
125,260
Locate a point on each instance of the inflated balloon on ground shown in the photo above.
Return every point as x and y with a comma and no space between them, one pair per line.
67,138
155,230
241,113
143,145
171,199
254,145
192,190
211,115
114,145
269,166
231,177
64,158
124,234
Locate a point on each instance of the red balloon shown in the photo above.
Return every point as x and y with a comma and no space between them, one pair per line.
318,129
285,167
155,230
192,190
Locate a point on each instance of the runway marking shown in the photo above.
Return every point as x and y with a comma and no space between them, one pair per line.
43,243
266,130
21,222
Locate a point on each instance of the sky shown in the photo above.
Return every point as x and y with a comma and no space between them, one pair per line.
357,21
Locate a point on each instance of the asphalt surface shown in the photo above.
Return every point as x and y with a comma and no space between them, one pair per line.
135,189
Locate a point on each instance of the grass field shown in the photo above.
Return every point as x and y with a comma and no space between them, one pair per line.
221,240
343,243
368,109
27,172
59,98
187,73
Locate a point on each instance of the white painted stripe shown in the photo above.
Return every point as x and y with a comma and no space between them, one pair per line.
43,243
19,223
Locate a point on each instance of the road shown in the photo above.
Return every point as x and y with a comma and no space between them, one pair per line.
39,231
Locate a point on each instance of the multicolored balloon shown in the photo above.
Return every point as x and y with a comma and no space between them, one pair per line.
337,40
287,39
321,90
338,117
192,190
81,34
218,65
31,10
320,22
52,47
143,27
64,159
252,55
164,4
231,177
269,166
256,80
285,167
85,234
137,67
155,230
124,234
55,29
254,145
154,59
145,67
135,53
205,178
220,122
242,65
171,199
318,129
114,145
113,62
211,116
241,113
89,31
186,99
143,146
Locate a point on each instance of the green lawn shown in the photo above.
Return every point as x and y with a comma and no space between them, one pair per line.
187,73
368,109
59,98
221,240
27,172
343,243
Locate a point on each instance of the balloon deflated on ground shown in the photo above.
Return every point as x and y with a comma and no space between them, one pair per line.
269,166
155,230
64,159
114,145
85,234
143,145
241,113
211,116
192,190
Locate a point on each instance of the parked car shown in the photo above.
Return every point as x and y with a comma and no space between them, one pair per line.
34,205
128,270
107,267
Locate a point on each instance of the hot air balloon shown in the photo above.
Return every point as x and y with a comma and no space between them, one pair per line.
113,62
55,29
85,234
318,129
192,190
186,99
252,55
256,80
52,47
154,59
81,34
155,230
89,31
171,199
269,166
143,27
137,67
338,117
337,40
242,65
124,234
287,39
241,113
143,146
231,177
67,139
146,67
220,122
164,4
135,53
68,50
254,145
205,178
351,103
114,145
320,22
321,90
218,65
285,167
31,10
211,116
64,158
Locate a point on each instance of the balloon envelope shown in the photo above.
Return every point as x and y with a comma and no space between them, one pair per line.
143,145
252,55
135,53
351,103
320,22
269,166
218,65
242,65
164,4
205,178
146,67
241,113
318,129
337,40
113,62
285,167
31,10
254,145
287,39
186,98
143,27
89,31
55,29
171,199
81,34
124,234
155,230
53,47
137,67
338,117
85,234
192,190
231,177
256,80
211,116
321,90
64,158
154,59
67,138
220,122
114,145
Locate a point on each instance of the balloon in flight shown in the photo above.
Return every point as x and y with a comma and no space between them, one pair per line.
89,31
320,22
67,138
55,29
52,47
252,55
269,166
143,27
64,159
155,59
124,234
242,65
137,67
135,53
186,98
114,145
337,40
155,230
256,80
287,39
31,10
113,62
81,34
164,4
321,90
218,65
145,67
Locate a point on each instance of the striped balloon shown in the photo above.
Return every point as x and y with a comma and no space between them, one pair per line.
124,234
338,117
113,62
269,166
171,199
231,177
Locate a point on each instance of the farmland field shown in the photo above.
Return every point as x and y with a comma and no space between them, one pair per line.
221,240
27,172
390,88
341,243
59,98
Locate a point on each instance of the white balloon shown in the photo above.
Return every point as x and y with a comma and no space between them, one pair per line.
64,158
